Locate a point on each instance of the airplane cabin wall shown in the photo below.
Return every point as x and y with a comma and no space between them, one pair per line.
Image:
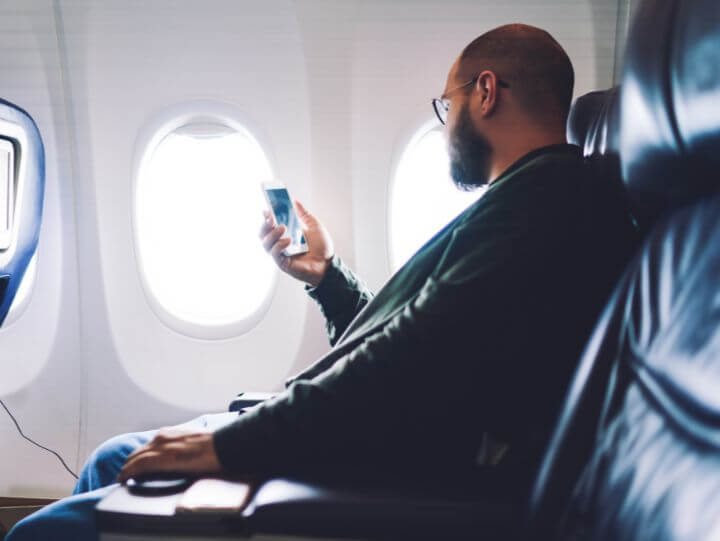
40,354
332,89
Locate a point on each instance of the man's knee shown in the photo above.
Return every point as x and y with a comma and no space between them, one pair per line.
104,464
114,452
117,449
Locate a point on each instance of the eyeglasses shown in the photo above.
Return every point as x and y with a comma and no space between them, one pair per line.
441,105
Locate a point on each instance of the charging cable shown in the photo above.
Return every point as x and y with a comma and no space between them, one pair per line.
17,425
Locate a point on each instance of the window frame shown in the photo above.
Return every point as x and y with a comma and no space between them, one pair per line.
16,135
151,134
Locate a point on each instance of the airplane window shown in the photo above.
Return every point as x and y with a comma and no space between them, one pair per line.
198,213
22,296
423,198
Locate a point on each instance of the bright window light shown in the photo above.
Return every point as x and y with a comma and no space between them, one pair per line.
199,210
423,198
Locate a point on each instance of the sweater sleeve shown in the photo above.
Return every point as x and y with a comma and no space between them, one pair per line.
341,296
367,404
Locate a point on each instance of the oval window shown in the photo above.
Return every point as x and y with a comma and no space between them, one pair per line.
198,212
423,197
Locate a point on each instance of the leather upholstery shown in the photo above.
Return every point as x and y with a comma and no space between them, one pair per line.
650,442
583,113
636,452
655,469
669,105
592,123
28,219
379,510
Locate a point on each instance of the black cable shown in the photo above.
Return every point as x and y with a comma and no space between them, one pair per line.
17,425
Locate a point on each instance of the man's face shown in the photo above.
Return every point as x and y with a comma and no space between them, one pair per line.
469,153
469,150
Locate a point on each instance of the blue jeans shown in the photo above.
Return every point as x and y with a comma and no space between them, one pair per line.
73,518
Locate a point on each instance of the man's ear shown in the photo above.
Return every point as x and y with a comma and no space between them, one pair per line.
486,88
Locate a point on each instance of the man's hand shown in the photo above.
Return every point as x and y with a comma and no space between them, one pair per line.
309,267
169,451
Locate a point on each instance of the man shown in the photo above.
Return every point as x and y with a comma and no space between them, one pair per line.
474,339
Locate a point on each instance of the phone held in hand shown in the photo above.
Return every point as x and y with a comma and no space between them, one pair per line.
284,213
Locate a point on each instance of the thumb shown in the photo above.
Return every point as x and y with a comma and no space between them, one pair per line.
304,214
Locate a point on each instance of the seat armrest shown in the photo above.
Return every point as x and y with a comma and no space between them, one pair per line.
300,508
128,514
248,400
348,509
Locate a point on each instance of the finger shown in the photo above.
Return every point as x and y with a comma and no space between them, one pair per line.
173,443
177,455
149,462
162,437
144,449
133,459
277,249
284,262
265,228
182,450
272,238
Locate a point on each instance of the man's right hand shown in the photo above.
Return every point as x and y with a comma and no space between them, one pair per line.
309,267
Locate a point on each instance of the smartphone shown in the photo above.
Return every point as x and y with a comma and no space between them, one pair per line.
283,211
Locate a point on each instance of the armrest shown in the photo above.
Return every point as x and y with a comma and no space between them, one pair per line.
128,514
248,400
300,508
325,510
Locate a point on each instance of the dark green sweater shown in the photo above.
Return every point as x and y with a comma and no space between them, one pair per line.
477,333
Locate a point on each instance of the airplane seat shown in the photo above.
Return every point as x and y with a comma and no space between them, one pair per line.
636,450
592,122
593,125
22,188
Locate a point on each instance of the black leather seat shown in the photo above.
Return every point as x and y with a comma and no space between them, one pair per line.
592,123
636,453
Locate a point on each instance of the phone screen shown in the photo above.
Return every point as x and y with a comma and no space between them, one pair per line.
285,214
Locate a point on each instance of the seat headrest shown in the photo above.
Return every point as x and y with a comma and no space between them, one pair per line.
582,116
669,134
25,196
592,123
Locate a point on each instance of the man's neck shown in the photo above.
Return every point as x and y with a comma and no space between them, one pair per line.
512,152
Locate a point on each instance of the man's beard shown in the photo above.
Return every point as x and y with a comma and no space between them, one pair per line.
469,155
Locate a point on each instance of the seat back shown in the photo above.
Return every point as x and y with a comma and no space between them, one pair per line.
636,452
22,186
592,123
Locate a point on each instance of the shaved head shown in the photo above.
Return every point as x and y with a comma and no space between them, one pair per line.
529,59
